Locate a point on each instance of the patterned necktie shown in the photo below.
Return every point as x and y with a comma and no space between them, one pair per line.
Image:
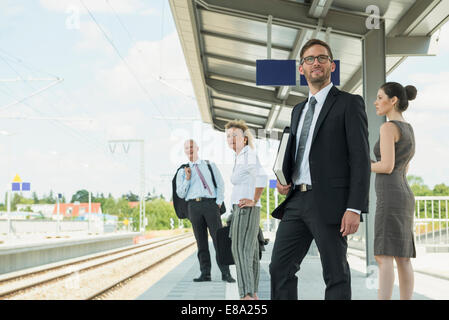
303,137
205,185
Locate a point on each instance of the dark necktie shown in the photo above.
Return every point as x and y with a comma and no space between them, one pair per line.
205,185
303,137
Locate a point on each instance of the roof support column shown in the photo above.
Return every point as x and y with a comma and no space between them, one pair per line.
373,62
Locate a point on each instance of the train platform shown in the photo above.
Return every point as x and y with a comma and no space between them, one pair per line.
29,251
178,284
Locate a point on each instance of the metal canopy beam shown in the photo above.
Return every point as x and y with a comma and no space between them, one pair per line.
240,112
250,93
220,123
213,75
318,9
411,46
231,59
299,42
417,12
243,40
240,102
290,14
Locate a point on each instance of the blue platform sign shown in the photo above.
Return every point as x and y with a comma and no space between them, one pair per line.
26,186
283,73
18,185
273,184
276,72
335,76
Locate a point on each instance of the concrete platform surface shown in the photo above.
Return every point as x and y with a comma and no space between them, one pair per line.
179,285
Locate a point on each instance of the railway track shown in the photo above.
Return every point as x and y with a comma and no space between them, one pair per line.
105,291
17,285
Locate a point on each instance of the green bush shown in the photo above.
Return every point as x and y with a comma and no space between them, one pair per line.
159,212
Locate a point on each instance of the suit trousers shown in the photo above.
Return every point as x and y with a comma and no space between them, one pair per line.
301,224
205,215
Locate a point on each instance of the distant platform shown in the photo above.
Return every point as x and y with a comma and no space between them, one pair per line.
17,253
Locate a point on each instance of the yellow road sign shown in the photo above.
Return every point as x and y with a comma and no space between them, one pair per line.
17,179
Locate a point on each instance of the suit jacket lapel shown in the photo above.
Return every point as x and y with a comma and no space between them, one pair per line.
330,99
297,116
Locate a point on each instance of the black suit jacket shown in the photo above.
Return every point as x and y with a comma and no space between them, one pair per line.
339,160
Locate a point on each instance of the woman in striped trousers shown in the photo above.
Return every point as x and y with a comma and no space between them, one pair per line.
248,179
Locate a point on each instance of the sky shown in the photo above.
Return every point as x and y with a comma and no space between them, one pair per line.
72,80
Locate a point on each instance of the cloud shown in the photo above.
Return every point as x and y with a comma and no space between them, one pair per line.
92,38
431,88
99,6
432,148
155,64
11,9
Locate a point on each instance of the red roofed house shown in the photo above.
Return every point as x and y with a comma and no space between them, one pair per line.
133,204
76,209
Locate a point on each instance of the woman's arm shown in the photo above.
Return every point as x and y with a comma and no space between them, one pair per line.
388,131
260,181
257,194
251,202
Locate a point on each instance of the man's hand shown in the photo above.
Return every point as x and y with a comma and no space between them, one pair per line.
219,206
188,172
283,189
349,223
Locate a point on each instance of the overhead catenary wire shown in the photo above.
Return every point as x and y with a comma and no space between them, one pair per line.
94,144
74,132
31,68
133,40
43,114
131,71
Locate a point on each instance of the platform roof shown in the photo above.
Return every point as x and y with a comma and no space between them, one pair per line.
222,40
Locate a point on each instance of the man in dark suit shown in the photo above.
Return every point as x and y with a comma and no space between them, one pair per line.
327,168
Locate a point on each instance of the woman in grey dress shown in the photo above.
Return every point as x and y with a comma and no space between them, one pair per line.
393,236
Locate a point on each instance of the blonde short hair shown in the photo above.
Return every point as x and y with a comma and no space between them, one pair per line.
241,124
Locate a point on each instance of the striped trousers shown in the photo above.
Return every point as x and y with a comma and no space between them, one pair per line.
245,248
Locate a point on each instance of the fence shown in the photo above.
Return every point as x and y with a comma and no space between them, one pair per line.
431,223
431,220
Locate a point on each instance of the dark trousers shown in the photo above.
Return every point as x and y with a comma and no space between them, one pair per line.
206,215
301,224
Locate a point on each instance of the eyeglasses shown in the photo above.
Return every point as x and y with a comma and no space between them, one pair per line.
311,59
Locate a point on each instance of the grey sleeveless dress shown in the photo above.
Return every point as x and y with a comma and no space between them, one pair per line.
393,235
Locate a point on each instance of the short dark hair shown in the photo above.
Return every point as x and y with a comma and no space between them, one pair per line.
313,42
404,94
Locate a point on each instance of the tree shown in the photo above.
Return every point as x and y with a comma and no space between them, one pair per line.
18,198
418,187
159,212
441,190
131,197
50,199
109,206
263,202
35,198
80,196
100,199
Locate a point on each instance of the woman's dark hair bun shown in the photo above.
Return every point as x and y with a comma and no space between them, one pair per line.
411,92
